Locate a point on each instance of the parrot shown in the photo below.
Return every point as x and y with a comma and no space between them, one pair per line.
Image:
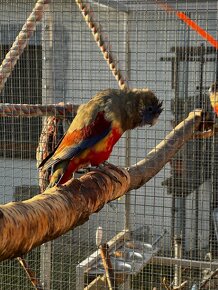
97,126
213,93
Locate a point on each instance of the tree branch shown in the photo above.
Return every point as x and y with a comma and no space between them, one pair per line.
25,225
145,169
30,274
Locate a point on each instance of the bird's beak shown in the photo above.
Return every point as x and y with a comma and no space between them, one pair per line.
153,122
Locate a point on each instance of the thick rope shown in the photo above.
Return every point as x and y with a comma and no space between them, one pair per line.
21,42
26,110
102,43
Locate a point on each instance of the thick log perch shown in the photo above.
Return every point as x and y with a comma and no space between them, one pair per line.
25,225
145,169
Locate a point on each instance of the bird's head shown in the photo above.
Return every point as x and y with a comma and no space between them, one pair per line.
151,113
148,107
213,94
213,88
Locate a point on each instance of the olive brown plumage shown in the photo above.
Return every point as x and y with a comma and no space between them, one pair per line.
98,125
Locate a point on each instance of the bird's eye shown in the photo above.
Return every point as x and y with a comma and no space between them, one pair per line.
150,108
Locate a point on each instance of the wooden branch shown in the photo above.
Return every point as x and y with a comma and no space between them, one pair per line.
30,274
168,287
144,170
207,283
30,223
109,271
25,225
47,142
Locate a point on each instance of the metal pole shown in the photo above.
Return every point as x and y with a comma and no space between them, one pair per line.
179,203
47,97
128,134
127,226
178,255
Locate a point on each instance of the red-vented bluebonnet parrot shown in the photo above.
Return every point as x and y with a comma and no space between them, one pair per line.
213,91
98,125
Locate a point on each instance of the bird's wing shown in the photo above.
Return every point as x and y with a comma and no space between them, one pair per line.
76,141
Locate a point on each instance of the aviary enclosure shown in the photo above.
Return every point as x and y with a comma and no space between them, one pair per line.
151,220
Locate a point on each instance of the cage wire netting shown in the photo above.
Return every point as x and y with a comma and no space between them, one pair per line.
171,222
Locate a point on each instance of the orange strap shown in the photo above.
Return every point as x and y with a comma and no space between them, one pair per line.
203,33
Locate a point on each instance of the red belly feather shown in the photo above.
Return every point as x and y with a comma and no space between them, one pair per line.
216,109
93,157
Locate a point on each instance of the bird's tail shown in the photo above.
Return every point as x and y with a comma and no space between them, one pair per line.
59,172
45,160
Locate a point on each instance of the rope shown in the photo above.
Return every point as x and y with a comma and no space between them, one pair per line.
26,110
102,43
21,42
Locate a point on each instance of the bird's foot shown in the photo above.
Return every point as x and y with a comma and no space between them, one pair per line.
102,168
111,165
105,171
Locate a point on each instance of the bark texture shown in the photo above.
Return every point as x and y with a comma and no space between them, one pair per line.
25,225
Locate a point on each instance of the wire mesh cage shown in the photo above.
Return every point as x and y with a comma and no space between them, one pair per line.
56,55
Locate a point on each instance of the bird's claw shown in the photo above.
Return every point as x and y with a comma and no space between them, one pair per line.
101,167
